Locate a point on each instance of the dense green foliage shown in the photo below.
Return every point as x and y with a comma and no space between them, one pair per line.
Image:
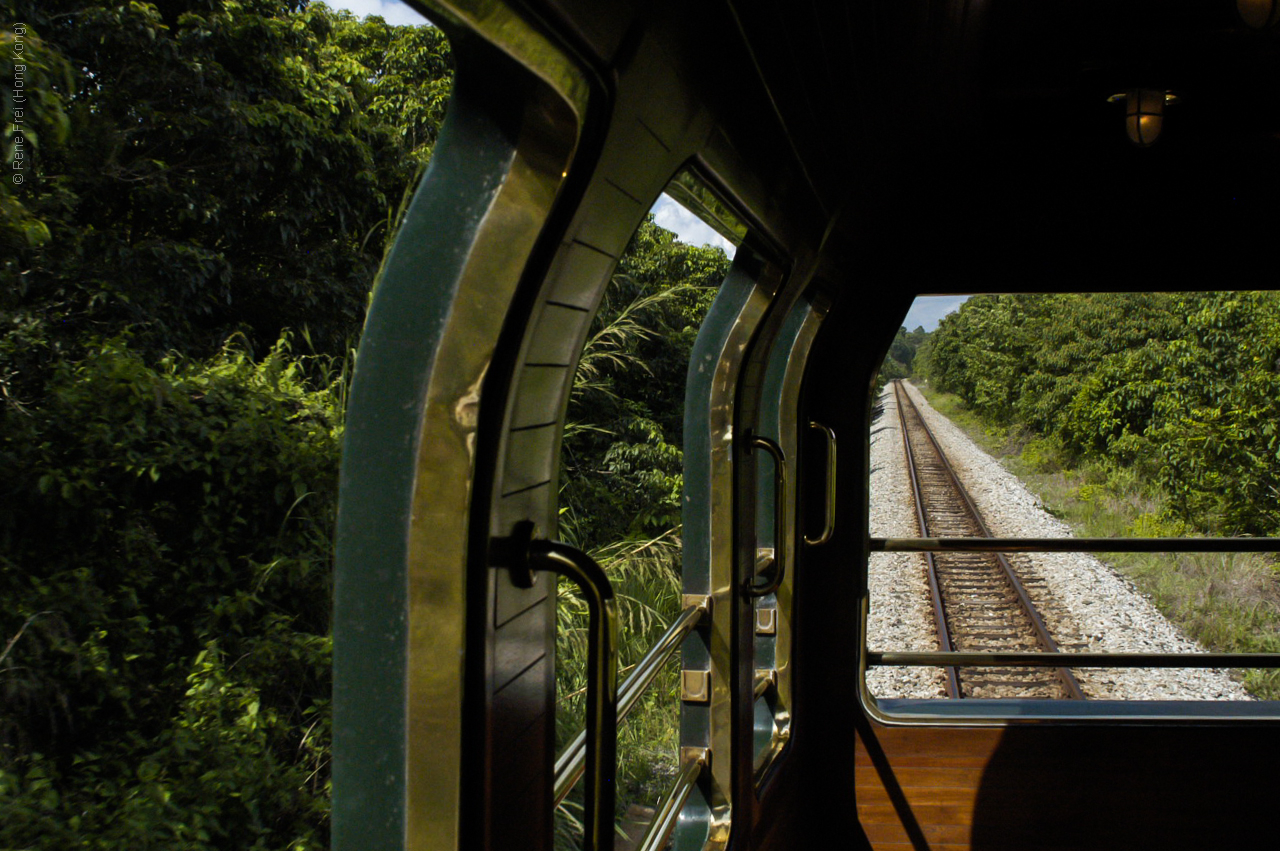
194,172
900,360
166,575
199,167
622,454
623,481
204,181
1183,389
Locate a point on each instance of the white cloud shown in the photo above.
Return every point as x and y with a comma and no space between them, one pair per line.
929,310
687,227
393,11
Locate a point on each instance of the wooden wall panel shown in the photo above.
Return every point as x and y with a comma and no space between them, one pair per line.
1059,786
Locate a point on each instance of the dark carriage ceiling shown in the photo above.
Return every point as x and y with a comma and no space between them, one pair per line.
979,133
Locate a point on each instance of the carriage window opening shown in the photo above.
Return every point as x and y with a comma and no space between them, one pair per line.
1113,415
621,493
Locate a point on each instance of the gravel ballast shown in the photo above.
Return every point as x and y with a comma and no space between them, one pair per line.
1089,606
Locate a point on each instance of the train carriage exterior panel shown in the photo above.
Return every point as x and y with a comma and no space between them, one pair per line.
873,151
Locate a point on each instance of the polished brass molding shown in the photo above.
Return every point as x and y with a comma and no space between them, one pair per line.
498,24
695,686
702,756
699,601
764,680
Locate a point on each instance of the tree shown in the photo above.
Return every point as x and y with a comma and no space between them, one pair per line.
200,176
1180,387
622,456
231,168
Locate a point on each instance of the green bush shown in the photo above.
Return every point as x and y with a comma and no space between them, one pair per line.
166,567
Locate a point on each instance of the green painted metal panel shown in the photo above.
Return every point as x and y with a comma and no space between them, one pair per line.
406,322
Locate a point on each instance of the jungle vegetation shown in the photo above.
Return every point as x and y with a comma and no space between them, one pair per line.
900,361
1146,414
622,483
209,188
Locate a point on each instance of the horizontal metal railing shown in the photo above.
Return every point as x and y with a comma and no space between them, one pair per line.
571,762
1077,660
1077,545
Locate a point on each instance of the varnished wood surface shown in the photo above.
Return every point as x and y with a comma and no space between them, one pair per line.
1063,786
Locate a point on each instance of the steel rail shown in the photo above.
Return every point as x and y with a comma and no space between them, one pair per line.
571,762
1075,545
1022,659
931,567
1041,629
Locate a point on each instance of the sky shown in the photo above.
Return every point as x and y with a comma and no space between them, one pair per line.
689,228
393,11
926,311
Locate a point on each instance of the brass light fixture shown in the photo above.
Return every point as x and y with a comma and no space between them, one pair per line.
1259,14
1144,113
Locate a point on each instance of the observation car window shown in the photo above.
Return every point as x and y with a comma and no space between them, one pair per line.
1119,416
622,488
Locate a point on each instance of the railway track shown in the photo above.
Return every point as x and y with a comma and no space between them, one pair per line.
979,603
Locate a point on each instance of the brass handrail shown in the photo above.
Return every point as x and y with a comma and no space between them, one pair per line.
602,682
664,820
524,554
1077,660
829,517
571,761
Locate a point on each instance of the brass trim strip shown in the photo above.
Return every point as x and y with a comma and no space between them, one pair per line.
1078,660
765,680
572,760
829,519
500,25
664,820
1075,545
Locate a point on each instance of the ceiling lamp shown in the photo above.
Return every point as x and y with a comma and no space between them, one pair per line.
1259,14
1144,113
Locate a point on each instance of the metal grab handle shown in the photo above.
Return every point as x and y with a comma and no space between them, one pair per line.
779,517
829,520
524,555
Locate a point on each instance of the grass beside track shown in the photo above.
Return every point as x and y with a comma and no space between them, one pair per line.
1230,603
